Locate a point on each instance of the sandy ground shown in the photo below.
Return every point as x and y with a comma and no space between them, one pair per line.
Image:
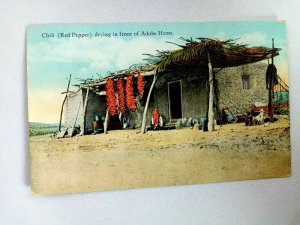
127,159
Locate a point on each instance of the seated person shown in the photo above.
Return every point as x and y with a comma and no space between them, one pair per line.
259,119
249,117
156,120
228,116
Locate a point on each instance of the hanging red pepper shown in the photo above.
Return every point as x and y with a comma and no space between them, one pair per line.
155,118
121,94
140,84
130,100
110,97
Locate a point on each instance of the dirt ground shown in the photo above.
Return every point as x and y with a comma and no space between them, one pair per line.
125,159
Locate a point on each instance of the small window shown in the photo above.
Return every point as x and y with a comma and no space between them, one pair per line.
245,80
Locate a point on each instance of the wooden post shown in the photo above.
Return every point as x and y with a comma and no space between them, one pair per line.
106,122
120,116
62,107
71,129
211,96
143,129
271,78
84,110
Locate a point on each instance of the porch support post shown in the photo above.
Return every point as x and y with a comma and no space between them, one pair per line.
271,88
143,130
106,122
211,96
62,107
84,110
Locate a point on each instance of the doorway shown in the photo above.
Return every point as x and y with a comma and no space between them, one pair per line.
175,103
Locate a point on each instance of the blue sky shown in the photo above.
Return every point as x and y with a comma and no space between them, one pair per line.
51,60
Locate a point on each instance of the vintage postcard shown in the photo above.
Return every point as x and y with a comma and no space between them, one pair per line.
118,106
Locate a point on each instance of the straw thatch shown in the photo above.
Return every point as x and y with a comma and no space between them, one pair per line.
223,54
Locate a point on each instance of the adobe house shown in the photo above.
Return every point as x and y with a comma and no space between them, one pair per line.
196,80
177,94
214,55
184,93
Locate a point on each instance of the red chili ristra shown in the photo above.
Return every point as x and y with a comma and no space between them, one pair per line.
121,94
110,97
140,84
155,116
130,100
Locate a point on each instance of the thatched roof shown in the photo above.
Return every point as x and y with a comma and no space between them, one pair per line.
194,53
223,54
144,69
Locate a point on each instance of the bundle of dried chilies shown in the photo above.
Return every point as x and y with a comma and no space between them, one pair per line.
140,84
110,97
121,95
130,100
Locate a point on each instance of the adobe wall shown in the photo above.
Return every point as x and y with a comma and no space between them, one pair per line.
72,104
231,89
194,92
95,106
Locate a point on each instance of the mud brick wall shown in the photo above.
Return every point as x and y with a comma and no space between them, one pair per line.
194,92
231,89
134,119
71,108
95,106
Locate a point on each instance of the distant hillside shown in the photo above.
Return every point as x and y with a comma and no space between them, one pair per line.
36,128
42,125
